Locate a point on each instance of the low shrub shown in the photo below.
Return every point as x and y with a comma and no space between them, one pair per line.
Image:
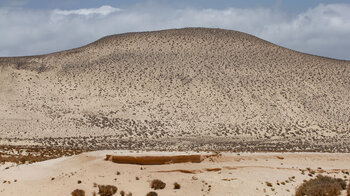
122,193
152,194
321,185
268,184
157,184
78,192
107,190
348,190
177,185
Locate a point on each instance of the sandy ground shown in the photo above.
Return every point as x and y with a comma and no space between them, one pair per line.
226,174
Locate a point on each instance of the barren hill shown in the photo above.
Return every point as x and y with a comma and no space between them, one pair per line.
192,88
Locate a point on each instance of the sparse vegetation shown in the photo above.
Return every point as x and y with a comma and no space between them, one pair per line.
177,185
170,54
268,184
107,190
157,184
22,155
152,193
122,193
78,192
321,185
160,90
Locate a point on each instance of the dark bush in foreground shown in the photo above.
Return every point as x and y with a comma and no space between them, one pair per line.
152,194
177,185
78,192
348,190
122,193
157,184
321,186
107,190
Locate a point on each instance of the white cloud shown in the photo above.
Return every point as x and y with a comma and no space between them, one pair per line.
104,10
323,30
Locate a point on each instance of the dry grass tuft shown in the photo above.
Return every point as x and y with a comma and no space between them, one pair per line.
107,190
177,185
321,185
78,192
152,194
268,184
157,184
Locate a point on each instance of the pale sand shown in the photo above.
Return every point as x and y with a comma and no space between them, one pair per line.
244,174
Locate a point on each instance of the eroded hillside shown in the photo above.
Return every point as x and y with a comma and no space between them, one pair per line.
178,89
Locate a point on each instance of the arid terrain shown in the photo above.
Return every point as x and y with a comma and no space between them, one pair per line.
224,174
205,111
181,89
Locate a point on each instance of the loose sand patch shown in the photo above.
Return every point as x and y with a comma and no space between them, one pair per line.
228,174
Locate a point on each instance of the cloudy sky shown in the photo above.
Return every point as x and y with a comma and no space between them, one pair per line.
29,27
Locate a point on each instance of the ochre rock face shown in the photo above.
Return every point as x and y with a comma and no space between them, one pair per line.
155,160
190,88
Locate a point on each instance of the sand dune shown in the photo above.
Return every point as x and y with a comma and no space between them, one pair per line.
180,89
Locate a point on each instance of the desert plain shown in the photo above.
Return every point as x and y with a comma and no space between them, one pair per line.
220,174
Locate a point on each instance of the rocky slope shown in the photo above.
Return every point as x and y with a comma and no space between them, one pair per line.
192,88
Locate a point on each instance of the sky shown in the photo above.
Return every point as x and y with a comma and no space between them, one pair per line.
31,27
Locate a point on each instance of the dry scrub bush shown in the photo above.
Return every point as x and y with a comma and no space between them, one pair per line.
107,190
177,185
78,192
268,184
348,190
157,184
152,194
320,186
122,193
